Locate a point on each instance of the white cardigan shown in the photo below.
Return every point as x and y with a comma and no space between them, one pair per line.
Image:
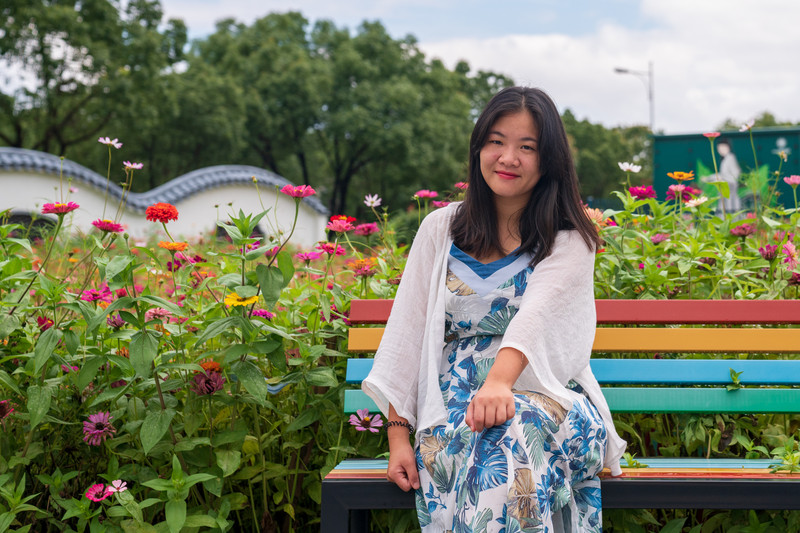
554,328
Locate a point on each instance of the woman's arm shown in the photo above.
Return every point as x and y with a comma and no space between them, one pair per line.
402,469
494,402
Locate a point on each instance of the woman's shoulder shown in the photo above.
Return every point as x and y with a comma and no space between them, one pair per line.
440,218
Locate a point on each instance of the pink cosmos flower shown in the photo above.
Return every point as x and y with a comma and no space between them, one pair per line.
461,185
108,226
712,134
331,248
59,208
98,428
132,166
365,422
117,486
110,142
643,192
73,190
98,492
659,238
307,257
791,255
425,193
367,229
298,191
794,181
442,203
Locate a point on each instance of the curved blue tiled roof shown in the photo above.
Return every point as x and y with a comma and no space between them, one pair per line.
173,191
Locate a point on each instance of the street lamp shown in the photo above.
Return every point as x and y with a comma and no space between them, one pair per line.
647,79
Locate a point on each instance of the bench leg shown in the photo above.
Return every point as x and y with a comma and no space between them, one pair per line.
337,514
359,521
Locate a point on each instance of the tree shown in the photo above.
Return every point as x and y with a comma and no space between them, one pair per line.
84,57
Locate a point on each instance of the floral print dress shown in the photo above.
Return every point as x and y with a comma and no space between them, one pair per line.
536,472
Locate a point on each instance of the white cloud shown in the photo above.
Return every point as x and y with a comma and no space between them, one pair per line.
712,60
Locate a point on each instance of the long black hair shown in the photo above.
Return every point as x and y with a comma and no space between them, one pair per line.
555,201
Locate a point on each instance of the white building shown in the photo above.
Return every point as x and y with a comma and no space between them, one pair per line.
30,179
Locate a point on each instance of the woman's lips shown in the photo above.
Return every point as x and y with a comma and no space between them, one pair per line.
506,175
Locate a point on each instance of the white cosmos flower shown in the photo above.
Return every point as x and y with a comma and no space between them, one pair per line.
372,200
747,125
629,167
694,202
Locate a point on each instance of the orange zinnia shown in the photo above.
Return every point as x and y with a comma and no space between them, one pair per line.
173,246
211,366
681,176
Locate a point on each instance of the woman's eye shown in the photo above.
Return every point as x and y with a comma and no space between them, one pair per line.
495,141
528,147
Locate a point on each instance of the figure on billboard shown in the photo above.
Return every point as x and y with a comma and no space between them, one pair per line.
728,172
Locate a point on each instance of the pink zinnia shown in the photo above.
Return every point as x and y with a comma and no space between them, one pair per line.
794,181
98,492
743,230
366,229
98,428
5,409
461,185
94,295
425,193
59,208
109,226
298,191
712,134
442,203
115,321
208,382
307,257
331,248
156,313
769,252
263,313
791,255
642,193
340,226
44,323
365,422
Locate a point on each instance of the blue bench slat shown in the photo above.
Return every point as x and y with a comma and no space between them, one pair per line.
664,371
663,400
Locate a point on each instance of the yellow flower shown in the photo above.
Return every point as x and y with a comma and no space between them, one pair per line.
233,299
681,176
173,246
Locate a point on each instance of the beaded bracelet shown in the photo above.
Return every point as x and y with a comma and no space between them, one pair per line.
400,423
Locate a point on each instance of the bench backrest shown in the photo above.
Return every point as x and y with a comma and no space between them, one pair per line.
763,327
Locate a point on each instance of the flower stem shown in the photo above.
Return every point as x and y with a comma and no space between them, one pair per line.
41,267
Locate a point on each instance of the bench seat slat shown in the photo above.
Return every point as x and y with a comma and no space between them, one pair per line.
731,340
645,311
664,400
663,371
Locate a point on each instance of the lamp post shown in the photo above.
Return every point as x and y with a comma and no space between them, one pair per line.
647,79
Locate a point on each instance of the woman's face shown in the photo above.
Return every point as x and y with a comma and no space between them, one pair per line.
510,158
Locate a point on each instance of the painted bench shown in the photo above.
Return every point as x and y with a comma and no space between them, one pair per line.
770,383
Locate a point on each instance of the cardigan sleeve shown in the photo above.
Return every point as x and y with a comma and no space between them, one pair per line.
555,325
394,378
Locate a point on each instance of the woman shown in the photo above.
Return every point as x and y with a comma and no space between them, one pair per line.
487,347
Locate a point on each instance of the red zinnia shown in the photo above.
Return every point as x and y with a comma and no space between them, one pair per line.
161,212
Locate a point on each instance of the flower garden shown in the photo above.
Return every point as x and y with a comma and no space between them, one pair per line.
196,385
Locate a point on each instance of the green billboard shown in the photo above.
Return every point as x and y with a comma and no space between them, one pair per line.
759,157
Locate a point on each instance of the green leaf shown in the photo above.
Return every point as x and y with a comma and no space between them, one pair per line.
8,324
674,526
44,347
216,327
228,461
200,520
117,264
246,291
286,266
252,378
127,500
155,425
161,302
322,377
143,350
89,371
39,399
175,511
71,341
270,279
307,417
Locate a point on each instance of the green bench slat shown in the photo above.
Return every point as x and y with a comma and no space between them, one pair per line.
664,400
652,462
664,371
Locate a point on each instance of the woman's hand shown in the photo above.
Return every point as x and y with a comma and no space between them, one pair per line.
402,470
491,406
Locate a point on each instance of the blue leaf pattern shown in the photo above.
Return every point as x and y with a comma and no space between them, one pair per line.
518,476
